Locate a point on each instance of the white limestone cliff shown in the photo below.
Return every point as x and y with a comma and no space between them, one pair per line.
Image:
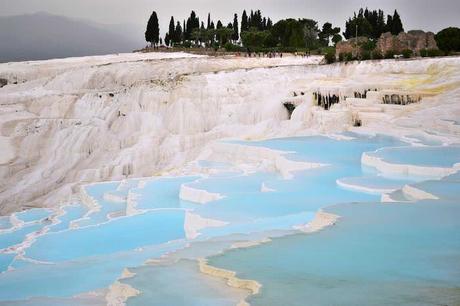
64,123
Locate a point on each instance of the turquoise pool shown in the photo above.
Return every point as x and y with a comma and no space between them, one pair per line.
384,248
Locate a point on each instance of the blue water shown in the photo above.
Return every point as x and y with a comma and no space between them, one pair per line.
375,183
17,236
444,156
411,256
153,227
161,193
68,278
5,261
327,150
35,214
5,223
377,254
195,288
308,191
97,191
394,254
71,213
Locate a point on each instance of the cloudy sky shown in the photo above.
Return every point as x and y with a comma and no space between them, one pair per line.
416,14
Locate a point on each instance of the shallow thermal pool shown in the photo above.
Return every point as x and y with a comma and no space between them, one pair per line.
396,251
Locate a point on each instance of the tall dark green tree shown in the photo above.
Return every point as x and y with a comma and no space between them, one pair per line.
167,39
269,23
396,26
251,19
191,24
372,24
184,29
208,26
171,30
380,24
389,25
152,33
177,33
257,20
244,22
235,35
357,24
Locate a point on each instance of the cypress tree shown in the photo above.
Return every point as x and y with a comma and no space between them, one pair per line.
193,23
389,26
396,26
167,40
183,31
372,24
258,20
269,23
209,21
380,24
244,22
235,35
347,33
188,29
171,30
177,33
152,33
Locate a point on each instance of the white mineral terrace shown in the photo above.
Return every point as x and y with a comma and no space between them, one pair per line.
68,122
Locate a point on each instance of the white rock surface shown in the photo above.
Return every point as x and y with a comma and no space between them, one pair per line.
193,223
195,195
75,121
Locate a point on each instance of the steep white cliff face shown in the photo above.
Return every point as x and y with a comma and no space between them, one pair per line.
72,121
106,118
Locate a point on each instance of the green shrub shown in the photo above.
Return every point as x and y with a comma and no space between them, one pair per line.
365,55
434,52
229,47
376,54
368,45
407,53
346,57
431,53
330,56
349,57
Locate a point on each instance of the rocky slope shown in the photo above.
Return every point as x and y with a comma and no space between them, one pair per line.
79,120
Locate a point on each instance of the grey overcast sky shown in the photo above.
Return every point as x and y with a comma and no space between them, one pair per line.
428,15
